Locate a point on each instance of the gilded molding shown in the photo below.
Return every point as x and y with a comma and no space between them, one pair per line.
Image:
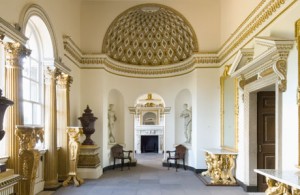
297,35
225,76
258,20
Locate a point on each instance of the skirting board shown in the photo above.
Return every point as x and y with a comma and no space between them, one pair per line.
207,181
90,173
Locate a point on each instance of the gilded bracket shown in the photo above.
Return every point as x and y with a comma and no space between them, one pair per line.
280,70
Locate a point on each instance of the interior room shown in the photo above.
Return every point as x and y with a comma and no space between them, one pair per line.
89,87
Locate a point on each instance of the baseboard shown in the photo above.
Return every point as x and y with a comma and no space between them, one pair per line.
246,187
110,167
197,171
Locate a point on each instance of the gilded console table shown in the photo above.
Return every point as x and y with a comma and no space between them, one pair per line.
281,182
220,167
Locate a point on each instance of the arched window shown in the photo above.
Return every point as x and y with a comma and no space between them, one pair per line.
32,77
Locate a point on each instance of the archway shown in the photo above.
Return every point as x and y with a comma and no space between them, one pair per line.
149,124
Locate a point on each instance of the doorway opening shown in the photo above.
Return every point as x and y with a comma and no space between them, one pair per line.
265,135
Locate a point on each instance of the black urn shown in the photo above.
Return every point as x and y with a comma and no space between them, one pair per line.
87,122
4,103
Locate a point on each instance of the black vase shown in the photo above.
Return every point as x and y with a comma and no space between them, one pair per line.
4,103
87,122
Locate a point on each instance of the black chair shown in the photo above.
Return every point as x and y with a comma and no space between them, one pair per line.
117,152
178,154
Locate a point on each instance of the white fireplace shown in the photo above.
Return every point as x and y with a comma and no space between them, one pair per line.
149,130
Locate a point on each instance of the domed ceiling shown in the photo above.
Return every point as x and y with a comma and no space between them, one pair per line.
150,34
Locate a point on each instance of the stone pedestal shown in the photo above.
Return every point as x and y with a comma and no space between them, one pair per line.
89,163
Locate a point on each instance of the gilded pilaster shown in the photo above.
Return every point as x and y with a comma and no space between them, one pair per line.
51,178
28,156
63,103
14,55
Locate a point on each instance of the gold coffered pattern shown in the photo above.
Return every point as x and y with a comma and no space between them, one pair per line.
150,34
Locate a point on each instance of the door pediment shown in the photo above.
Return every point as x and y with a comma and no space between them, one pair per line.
268,56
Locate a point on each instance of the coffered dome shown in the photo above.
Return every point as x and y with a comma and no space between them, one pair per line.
150,34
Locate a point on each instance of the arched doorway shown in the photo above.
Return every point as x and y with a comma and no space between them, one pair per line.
149,124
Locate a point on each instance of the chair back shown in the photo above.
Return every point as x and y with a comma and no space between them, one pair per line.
117,151
180,151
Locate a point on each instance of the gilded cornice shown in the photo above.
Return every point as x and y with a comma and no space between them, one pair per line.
263,15
260,18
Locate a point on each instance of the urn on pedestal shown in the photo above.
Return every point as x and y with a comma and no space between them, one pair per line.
4,103
87,121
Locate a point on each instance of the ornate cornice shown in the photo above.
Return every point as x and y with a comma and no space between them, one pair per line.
12,32
102,61
259,19
263,15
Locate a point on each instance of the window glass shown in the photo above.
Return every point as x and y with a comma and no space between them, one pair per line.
27,110
32,82
34,91
26,89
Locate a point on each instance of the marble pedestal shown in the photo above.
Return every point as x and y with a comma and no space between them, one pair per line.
89,163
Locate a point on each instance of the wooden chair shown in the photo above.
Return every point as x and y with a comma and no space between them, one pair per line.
176,155
117,152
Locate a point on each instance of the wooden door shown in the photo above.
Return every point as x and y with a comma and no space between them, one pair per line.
265,134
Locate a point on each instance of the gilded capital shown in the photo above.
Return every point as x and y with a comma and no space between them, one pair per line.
16,53
64,81
51,74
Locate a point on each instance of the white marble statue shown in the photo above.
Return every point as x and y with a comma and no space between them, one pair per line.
186,114
111,123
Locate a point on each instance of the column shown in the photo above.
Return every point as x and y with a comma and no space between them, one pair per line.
51,160
15,53
63,121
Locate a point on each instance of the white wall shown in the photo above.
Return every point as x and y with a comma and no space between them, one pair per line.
233,13
204,87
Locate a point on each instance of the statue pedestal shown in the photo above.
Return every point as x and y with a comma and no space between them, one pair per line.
89,163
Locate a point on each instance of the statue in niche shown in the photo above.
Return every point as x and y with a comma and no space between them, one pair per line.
186,114
111,123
